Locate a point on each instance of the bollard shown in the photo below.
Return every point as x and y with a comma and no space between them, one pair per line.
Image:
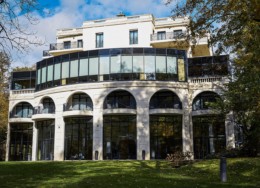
223,169
96,155
143,154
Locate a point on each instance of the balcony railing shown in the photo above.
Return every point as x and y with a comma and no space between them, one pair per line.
82,107
41,110
207,79
23,91
168,36
46,53
15,114
64,46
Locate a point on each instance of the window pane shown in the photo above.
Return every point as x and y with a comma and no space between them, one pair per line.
126,64
181,70
50,73
171,65
57,71
83,67
116,64
74,68
161,64
39,76
99,40
43,74
65,69
138,64
93,66
149,64
133,37
104,65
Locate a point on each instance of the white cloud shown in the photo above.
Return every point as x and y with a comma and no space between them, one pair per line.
73,13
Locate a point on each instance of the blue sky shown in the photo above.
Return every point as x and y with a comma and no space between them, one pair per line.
58,14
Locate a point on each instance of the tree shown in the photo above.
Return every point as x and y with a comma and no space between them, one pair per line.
234,27
4,75
25,68
15,16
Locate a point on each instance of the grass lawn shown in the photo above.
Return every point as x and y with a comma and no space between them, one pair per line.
242,172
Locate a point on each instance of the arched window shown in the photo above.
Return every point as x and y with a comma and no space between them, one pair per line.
79,101
120,99
48,106
22,110
203,100
165,99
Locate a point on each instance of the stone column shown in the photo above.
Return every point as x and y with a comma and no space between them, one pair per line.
187,129
34,142
230,131
187,140
59,135
97,153
8,142
143,130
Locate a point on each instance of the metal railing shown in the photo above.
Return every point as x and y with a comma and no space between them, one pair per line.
86,107
46,53
14,114
41,110
168,35
64,46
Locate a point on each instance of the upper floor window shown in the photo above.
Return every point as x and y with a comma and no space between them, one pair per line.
161,35
67,44
133,36
99,40
80,44
177,33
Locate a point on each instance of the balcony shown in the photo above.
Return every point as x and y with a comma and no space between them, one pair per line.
169,39
77,110
41,113
65,48
46,54
18,117
69,32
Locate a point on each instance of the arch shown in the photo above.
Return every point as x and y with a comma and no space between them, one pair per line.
200,102
48,105
119,98
165,99
78,100
22,110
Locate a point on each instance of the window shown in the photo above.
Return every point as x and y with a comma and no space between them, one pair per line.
177,34
80,44
161,35
67,45
133,37
99,40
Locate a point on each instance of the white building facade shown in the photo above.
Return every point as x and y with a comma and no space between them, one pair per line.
129,87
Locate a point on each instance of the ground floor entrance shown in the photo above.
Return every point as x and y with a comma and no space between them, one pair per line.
119,137
20,141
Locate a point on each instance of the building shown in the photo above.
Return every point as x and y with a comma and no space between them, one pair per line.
129,87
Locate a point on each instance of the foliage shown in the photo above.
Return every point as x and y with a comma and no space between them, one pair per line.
4,74
15,17
25,68
241,172
179,158
234,27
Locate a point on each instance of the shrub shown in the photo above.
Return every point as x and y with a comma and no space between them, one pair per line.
179,158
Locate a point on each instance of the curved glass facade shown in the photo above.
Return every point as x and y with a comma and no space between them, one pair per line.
117,64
